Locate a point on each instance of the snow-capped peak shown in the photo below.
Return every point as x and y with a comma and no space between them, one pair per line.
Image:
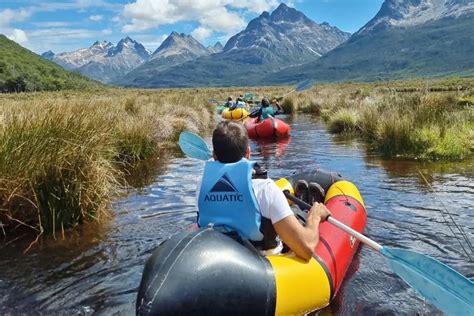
414,12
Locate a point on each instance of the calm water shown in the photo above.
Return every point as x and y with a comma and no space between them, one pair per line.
97,269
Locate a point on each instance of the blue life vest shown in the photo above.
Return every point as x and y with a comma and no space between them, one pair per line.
240,104
266,112
227,200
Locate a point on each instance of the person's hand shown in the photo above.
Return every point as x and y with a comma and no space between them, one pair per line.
320,210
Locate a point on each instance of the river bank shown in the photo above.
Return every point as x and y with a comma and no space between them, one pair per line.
62,154
417,119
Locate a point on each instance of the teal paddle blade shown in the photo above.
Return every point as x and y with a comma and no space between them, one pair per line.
448,290
194,146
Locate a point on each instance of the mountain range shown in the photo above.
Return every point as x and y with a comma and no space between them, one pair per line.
270,42
406,38
175,49
103,61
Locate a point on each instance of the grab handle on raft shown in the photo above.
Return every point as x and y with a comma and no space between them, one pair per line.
305,206
446,288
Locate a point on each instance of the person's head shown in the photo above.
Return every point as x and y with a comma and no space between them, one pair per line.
265,102
239,99
229,99
230,142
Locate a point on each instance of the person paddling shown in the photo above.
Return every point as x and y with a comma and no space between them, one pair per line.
235,195
266,110
230,103
239,104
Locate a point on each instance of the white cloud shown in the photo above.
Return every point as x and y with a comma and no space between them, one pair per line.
96,18
201,33
255,6
53,24
215,15
8,16
18,36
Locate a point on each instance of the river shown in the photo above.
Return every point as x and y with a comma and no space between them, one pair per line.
96,269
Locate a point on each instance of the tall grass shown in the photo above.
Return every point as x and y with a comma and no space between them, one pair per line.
61,153
406,119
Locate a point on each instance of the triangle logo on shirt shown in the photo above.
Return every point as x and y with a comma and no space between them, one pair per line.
224,185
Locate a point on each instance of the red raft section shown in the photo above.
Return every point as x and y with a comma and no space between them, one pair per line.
336,248
268,128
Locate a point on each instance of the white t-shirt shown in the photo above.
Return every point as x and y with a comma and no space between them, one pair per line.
271,201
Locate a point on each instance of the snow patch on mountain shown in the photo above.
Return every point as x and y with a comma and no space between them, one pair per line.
400,13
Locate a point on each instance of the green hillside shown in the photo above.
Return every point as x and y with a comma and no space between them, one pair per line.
22,70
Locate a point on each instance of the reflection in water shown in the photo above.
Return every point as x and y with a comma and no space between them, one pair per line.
98,268
144,172
269,148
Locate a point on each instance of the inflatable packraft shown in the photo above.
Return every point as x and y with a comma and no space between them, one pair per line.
236,114
268,128
203,271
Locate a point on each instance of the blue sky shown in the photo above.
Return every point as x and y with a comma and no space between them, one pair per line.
72,24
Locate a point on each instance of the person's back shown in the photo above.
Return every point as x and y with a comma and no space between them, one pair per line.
230,103
267,111
240,103
256,208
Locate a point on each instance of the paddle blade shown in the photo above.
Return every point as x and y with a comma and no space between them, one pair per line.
303,85
194,146
447,289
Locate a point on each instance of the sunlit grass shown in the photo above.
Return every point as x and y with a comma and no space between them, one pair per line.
61,153
405,119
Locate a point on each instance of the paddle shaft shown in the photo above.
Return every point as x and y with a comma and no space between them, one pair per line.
369,242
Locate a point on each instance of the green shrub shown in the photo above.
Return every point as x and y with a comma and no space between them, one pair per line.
343,121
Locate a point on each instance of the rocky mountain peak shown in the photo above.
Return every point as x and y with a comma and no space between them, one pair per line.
285,13
49,55
395,13
130,46
289,31
176,44
102,45
216,48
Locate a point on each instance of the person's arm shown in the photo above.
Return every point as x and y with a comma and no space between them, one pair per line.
279,106
256,113
302,239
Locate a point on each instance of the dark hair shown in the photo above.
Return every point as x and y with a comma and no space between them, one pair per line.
229,99
230,141
265,102
240,99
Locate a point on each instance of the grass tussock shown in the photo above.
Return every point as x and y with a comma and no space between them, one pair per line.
407,119
61,153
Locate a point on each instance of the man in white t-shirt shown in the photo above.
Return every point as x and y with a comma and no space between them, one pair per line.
230,142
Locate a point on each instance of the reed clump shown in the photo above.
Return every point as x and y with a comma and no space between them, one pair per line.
61,153
406,119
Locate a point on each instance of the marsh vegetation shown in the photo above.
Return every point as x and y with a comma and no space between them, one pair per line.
431,120
62,154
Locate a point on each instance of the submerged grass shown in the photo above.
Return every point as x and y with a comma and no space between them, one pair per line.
61,153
